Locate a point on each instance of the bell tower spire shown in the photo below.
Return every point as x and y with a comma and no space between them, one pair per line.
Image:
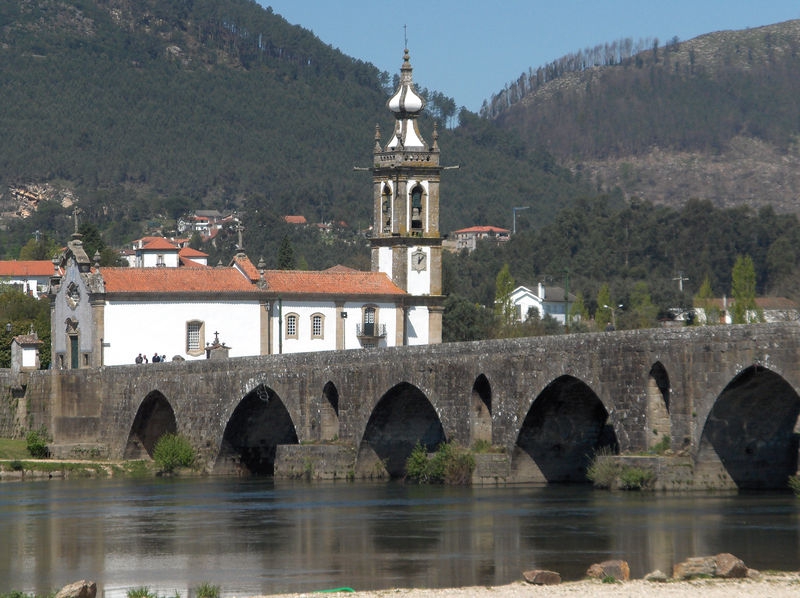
406,243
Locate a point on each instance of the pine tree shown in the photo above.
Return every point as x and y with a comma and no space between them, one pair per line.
743,289
286,255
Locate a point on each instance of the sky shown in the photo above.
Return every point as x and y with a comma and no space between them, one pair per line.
470,49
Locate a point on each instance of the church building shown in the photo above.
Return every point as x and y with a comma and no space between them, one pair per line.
182,309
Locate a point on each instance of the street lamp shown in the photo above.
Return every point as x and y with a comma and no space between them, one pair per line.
514,213
613,314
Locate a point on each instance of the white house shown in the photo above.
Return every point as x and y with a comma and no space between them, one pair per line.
546,300
773,309
32,277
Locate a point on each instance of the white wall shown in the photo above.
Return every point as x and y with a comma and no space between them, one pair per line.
142,327
419,282
417,326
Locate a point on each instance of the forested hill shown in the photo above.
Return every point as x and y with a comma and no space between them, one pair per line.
715,117
145,109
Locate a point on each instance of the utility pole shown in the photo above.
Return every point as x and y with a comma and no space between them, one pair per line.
680,278
514,214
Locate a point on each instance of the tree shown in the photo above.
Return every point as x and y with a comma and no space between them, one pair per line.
504,308
605,309
42,249
704,300
286,255
743,289
464,320
642,311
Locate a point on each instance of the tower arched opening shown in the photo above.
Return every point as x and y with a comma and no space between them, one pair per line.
257,426
402,418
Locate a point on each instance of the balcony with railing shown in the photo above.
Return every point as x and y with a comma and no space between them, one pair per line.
370,331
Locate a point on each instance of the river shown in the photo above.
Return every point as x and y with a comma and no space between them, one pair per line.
260,536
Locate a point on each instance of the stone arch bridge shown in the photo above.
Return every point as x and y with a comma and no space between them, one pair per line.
725,398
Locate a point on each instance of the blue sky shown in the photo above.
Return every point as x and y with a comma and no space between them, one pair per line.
470,50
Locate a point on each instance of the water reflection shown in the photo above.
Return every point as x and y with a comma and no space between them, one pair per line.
258,536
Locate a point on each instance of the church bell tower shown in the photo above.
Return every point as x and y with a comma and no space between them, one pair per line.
406,243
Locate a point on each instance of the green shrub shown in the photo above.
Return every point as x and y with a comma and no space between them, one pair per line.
636,478
662,446
16,465
206,590
450,464
794,484
173,451
141,593
603,471
36,443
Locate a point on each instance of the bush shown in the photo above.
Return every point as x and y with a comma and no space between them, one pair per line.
141,593
636,478
450,464
794,484
36,443
206,590
173,451
602,471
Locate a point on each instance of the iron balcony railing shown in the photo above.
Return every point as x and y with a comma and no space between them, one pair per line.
371,331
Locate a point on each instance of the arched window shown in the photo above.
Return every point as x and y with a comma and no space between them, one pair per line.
386,208
416,208
291,326
317,328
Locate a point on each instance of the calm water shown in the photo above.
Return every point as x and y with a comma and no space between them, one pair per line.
259,536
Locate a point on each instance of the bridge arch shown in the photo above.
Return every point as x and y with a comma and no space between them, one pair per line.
329,412
401,418
154,418
658,424
480,415
259,423
751,430
564,427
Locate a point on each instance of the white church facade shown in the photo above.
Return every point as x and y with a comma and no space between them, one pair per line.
182,309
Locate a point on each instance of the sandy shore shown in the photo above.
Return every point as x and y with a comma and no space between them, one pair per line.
777,585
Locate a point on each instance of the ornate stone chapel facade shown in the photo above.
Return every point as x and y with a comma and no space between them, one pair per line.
107,316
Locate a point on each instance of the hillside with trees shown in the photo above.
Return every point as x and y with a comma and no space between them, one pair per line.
141,111
714,118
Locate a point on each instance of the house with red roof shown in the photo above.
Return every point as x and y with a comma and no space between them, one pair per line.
467,238
32,277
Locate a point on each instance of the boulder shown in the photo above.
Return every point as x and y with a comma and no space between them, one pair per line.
723,565
78,589
729,566
657,576
617,569
542,577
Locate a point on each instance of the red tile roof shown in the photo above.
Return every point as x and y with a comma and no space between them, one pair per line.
295,219
331,282
191,253
246,266
176,280
160,243
483,229
26,268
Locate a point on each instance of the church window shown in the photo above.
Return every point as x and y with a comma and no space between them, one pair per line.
291,326
316,326
195,337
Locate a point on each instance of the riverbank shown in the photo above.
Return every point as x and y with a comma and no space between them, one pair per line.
772,585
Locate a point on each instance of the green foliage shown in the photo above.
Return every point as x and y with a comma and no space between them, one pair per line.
602,470
465,320
605,308
794,484
23,312
286,259
450,464
743,289
36,443
141,592
662,446
705,300
207,590
504,308
636,478
173,451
